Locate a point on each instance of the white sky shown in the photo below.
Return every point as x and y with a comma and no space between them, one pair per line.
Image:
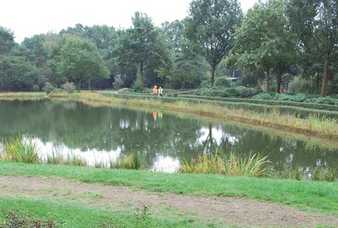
28,17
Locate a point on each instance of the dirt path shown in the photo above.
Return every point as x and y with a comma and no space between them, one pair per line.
234,211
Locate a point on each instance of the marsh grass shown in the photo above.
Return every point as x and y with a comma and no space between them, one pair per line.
204,164
19,150
130,161
232,165
73,160
253,166
324,174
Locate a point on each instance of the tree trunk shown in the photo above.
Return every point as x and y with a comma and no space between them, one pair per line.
267,86
325,80
142,74
213,73
279,83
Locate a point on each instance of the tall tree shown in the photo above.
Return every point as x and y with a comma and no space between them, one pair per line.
142,47
316,24
78,60
212,25
6,40
17,74
264,42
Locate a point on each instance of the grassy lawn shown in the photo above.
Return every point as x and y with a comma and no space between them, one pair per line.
319,196
66,214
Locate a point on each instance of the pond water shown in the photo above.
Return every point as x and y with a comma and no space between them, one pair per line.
162,141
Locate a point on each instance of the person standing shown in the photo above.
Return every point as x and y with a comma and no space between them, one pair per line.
160,91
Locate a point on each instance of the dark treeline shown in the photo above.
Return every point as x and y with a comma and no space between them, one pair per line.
279,45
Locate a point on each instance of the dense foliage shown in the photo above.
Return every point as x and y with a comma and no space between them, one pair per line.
285,46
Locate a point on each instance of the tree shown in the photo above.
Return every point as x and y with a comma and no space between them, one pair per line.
211,28
316,24
142,49
187,68
78,60
17,74
264,42
6,40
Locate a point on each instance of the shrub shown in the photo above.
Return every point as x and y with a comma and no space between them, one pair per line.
19,150
299,85
48,88
264,96
222,82
36,88
69,87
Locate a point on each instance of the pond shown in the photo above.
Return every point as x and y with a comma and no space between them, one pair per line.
162,141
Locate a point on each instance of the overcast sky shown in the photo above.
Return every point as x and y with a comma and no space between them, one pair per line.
28,17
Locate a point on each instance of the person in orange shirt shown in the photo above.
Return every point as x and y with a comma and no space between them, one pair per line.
155,90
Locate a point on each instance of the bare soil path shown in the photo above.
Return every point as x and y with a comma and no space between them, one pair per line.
234,211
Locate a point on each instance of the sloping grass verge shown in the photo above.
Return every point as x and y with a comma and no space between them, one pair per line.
322,196
18,212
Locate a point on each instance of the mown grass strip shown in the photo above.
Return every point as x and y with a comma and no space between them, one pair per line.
73,215
322,196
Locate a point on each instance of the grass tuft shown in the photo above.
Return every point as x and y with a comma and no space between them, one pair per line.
19,150
233,165
130,161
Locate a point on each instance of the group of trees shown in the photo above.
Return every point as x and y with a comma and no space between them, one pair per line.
276,42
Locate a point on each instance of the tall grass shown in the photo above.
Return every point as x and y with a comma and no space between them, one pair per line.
204,164
57,159
20,150
130,161
253,166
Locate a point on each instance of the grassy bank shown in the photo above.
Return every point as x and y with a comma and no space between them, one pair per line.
22,212
320,196
23,96
311,126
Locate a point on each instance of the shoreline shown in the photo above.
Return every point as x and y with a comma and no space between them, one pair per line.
325,130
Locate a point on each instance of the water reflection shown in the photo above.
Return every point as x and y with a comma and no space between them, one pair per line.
104,135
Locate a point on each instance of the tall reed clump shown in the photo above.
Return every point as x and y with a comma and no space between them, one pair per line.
19,150
252,166
130,161
204,164
73,160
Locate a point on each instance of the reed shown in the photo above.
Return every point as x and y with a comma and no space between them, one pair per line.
73,160
204,164
130,161
19,150
253,166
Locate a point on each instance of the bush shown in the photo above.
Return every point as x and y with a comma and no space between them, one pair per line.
264,96
36,88
239,91
69,87
222,82
299,85
48,88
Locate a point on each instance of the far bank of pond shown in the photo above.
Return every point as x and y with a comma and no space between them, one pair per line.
102,135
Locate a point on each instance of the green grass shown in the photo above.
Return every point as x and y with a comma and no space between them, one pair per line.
66,214
322,196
